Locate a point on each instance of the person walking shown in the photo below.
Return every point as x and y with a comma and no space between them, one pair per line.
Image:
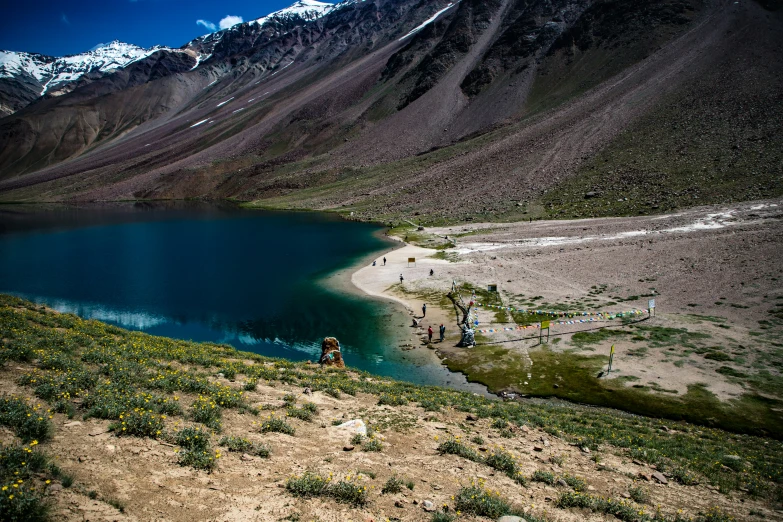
424,310
442,330
432,272
401,278
384,261
429,332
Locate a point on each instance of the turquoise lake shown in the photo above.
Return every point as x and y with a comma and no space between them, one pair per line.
260,281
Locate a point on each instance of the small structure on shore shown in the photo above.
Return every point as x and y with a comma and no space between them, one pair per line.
330,353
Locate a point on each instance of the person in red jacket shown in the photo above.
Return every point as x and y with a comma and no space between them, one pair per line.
429,332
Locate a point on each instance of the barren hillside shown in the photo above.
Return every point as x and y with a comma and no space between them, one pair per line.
492,110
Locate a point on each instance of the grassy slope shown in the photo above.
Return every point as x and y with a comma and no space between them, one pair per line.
93,369
719,139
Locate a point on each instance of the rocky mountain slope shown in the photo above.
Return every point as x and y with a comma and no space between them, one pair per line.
457,110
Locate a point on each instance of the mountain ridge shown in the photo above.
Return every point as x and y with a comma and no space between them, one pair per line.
345,113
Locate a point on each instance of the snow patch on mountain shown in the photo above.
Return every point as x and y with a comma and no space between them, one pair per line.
306,9
427,21
36,65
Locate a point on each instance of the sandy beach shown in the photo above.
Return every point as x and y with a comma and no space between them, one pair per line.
404,338
715,273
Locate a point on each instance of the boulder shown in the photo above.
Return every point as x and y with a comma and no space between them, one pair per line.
510,518
330,353
428,505
660,478
350,428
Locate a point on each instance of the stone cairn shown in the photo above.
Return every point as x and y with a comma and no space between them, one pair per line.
330,353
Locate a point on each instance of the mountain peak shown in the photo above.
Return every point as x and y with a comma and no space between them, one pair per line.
306,9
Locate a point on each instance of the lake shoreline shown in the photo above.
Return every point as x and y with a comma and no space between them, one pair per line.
696,359
345,280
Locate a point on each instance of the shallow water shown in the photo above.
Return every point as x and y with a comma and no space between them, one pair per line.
207,272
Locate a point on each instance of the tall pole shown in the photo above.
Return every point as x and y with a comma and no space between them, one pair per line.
611,358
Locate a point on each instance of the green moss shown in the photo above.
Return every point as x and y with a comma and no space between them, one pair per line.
602,335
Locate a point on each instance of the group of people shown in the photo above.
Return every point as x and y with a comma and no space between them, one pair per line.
442,329
442,332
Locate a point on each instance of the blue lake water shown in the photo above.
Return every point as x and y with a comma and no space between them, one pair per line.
260,281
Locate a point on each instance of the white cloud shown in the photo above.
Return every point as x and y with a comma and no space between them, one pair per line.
209,25
65,20
229,21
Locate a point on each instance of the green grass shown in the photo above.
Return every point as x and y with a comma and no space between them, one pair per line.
372,445
193,439
243,445
631,512
305,413
138,423
393,485
277,425
544,476
599,336
25,474
577,379
475,500
207,412
29,422
311,485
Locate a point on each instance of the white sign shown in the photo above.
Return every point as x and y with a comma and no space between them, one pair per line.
651,304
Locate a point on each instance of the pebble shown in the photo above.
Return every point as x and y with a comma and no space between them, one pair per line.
510,518
349,448
428,505
538,448
72,424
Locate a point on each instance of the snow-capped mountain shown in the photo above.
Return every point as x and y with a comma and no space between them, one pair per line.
24,77
54,73
38,66
307,10
103,59
249,34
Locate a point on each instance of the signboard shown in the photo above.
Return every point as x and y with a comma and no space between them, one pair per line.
544,326
411,260
492,288
651,304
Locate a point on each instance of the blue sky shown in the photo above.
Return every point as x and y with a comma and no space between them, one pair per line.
72,26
